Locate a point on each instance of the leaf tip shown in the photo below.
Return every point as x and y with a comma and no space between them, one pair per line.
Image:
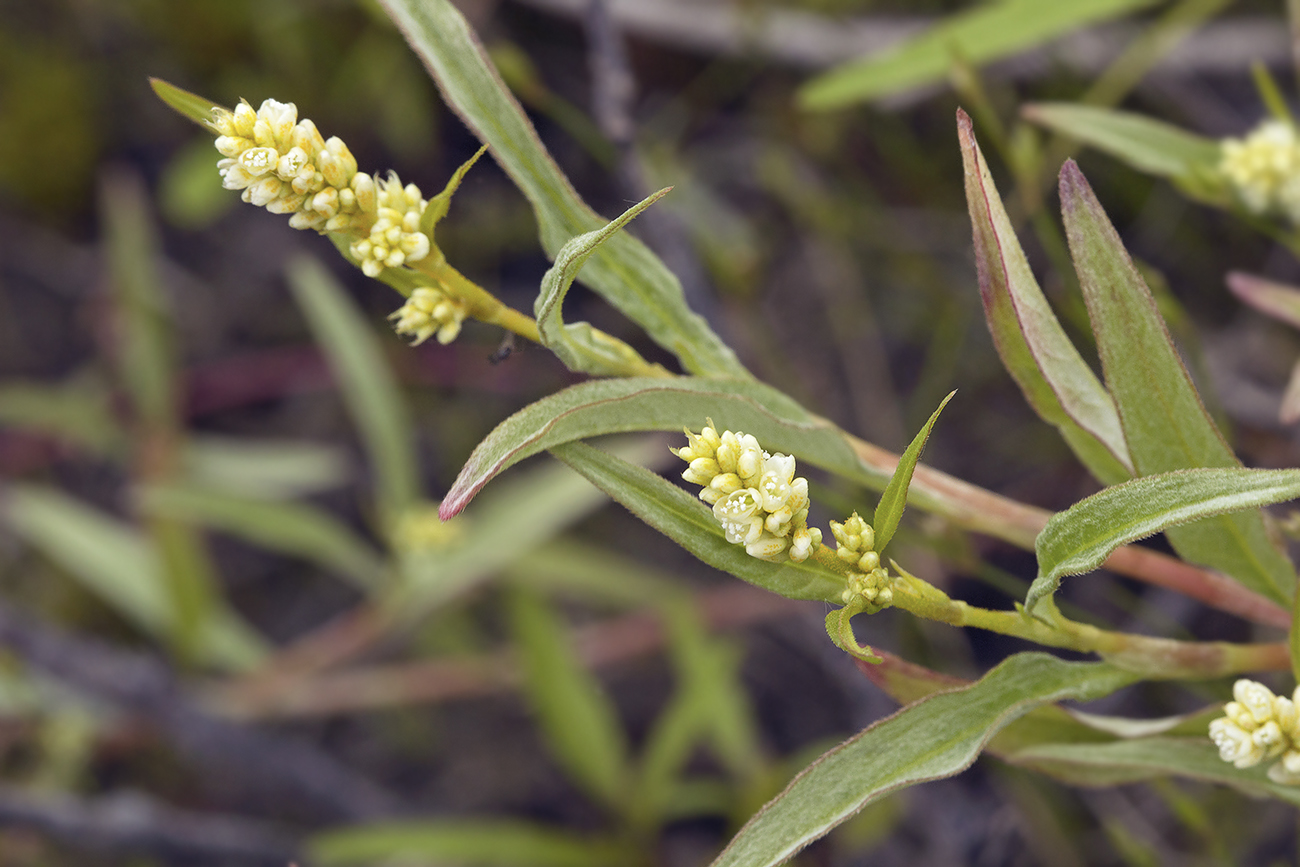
965,129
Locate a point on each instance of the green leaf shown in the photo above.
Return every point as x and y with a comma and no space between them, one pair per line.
1054,378
441,203
979,36
115,562
466,842
1129,761
367,384
1079,539
263,469
1148,145
688,522
143,348
582,348
1271,298
186,104
624,271
76,412
1165,423
889,511
580,724
288,528
648,404
934,738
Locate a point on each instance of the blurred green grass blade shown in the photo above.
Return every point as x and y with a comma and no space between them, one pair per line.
1053,377
191,581
1079,539
893,500
599,576
646,404
1148,145
76,412
934,738
365,380
624,271
115,562
578,721
1165,423
184,103
688,522
142,347
1273,299
577,344
1129,761
464,842
289,528
990,32
505,525
263,469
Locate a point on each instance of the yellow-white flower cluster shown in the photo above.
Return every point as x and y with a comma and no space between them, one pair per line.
427,312
284,165
1264,169
755,495
1258,726
855,541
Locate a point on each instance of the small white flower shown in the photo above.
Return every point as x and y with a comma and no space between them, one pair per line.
1235,745
1256,698
1264,168
427,312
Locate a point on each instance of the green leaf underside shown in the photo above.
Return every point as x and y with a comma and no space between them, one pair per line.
1165,423
465,842
1128,761
113,561
1080,538
934,738
893,500
624,271
1054,378
365,381
1273,299
688,522
1148,145
184,103
580,725
992,31
582,348
650,404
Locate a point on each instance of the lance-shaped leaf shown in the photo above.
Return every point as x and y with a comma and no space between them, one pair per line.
893,500
1054,378
1129,761
1165,423
688,522
1148,145
187,104
1269,297
650,404
1080,538
984,34
581,347
624,271
934,738
441,203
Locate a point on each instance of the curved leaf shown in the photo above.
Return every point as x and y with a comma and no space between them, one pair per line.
650,404
1277,300
1148,145
624,271
1165,423
1054,378
578,345
1080,538
184,103
688,522
934,738
894,498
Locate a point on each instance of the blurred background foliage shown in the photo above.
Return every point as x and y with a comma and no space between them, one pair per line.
236,631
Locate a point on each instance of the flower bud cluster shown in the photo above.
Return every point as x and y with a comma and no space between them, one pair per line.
427,312
395,237
1258,726
855,541
1264,169
755,495
284,165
